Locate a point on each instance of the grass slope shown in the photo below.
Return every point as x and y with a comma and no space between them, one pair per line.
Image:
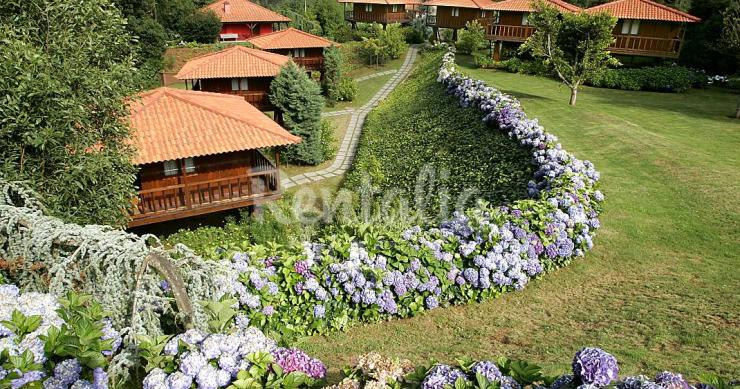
661,288
419,127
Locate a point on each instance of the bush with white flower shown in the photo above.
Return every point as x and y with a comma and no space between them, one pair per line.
56,343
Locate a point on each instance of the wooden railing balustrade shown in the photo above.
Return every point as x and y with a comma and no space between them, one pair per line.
310,63
501,32
649,46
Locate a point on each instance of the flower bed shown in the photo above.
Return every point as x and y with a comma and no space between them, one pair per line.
65,342
362,273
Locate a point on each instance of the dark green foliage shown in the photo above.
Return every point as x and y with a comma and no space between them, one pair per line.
333,72
658,78
703,46
300,101
574,45
150,36
418,128
67,67
380,46
347,89
201,27
328,149
418,32
472,39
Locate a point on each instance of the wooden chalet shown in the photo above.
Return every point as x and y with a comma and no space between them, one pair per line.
199,153
237,70
455,14
646,28
242,19
509,23
305,49
380,11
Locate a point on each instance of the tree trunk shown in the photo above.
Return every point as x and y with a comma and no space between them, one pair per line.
737,111
573,95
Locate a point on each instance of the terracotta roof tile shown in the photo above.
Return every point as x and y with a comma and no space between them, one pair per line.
290,38
482,4
174,123
527,6
644,10
244,11
235,61
388,2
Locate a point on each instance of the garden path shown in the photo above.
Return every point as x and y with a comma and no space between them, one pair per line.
346,151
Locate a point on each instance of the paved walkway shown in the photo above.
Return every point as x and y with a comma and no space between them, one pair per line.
379,74
346,151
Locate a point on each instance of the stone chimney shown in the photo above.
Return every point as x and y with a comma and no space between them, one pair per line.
227,7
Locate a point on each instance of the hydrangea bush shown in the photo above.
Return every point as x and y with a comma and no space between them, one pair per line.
366,273
55,342
593,368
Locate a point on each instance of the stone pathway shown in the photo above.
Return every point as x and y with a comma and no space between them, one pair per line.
346,151
379,74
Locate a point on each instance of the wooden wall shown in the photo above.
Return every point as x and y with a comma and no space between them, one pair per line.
446,20
207,168
223,85
377,13
653,29
244,31
313,52
511,18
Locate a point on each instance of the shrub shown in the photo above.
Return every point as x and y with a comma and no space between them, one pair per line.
472,38
483,60
418,32
333,74
62,342
201,27
299,100
659,78
329,149
347,90
380,46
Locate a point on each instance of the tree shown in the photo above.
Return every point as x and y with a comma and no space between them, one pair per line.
730,39
333,74
299,100
574,45
67,70
472,38
201,27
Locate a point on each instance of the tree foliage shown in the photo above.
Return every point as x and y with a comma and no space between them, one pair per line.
472,39
575,45
67,68
382,45
299,100
201,27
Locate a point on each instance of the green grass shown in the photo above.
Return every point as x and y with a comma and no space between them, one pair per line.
661,288
340,124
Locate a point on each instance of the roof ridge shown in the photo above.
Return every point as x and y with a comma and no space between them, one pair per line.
203,56
670,9
227,115
267,56
209,6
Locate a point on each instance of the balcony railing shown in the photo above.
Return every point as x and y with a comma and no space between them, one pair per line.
501,32
384,18
310,63
188,199
645,46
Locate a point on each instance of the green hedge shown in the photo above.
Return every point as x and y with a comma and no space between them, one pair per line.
666,78
419,127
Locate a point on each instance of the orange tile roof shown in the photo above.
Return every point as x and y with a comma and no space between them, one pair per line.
482,4
244,11
290,38
388,2
171,124
527,6
644,10
235,61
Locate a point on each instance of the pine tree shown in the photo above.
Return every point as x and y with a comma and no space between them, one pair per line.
299,100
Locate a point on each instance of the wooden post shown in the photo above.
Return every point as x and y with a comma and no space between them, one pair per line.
184,183
277,170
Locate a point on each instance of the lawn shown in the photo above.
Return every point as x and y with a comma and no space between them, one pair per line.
340,124
659,290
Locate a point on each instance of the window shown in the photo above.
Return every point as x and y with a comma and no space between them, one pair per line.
482,13
525,20
171,168
368,8
394,8
455,11
299,53
239,84
189,165
630,27
496,17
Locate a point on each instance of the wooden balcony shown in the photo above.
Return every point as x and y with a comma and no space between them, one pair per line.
385,18
260,99
505,33
646,46
310,63
202,197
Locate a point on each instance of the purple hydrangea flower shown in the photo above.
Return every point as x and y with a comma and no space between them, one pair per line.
440,376
291,360
670,380
595,366
487,369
